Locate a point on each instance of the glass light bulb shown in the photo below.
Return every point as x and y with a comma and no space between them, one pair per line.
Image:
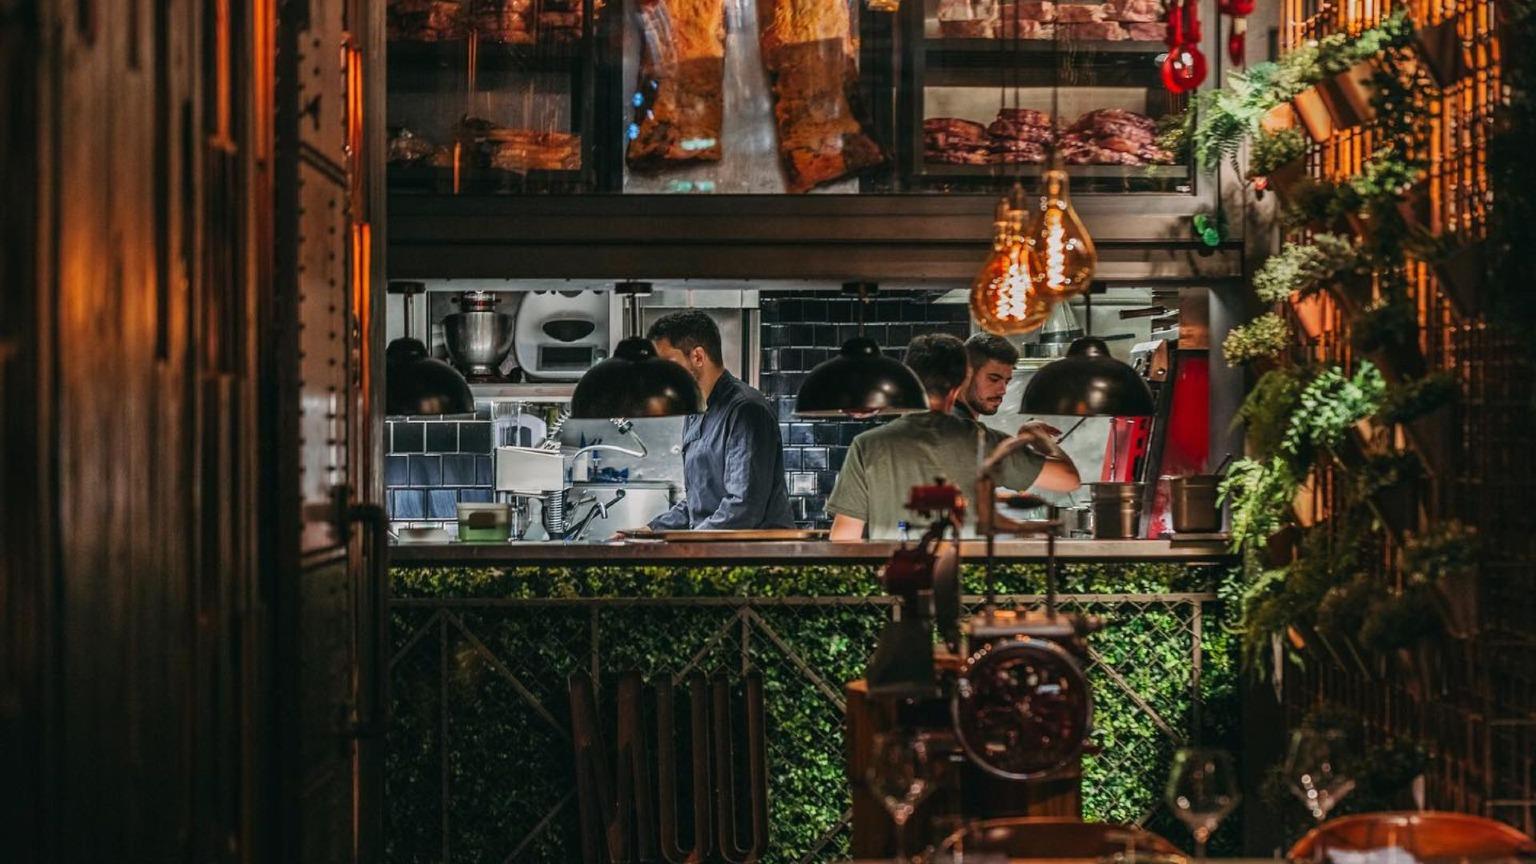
1004,299
1061,254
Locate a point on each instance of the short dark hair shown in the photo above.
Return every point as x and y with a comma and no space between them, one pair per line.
688,329
939,361
984,346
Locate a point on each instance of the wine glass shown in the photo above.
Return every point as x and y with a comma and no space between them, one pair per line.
901,775
1202,790
1313,771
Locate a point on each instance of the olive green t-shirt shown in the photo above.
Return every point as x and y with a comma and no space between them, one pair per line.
886,462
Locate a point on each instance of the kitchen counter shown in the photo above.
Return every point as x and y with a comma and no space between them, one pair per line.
1210,551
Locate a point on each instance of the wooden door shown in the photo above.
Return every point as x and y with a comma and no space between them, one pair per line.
186,299
329,608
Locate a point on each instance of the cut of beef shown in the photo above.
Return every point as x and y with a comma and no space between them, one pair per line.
1097,31
1142,11
809,50
1077,13
682,69
1145,32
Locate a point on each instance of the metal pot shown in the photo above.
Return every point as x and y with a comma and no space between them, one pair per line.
1192,503
479,337
1117,510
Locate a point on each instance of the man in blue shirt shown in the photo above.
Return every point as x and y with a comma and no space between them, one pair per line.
733,457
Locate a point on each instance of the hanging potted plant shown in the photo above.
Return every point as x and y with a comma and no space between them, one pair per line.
1278,162
1442,52
1353,67
1297,78
1388,333
1420,407
1447,557
1460,271
1261,342
1383,481
1404,627
1341,614
1300,271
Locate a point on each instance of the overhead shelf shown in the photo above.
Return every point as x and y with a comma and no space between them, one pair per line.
550,392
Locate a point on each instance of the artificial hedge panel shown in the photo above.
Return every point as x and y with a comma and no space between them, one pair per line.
467,682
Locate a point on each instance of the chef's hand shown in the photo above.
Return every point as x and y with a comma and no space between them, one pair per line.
1041,438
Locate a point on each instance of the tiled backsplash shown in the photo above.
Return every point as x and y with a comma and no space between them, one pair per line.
435,463
802,330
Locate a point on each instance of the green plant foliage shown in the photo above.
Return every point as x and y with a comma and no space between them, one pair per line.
1402,620
1265,337
1319,202
1260,493
1386,326
1421,397
1273,150
1380,472
1383,772
1266,413
1344,607
1330,404
1446,547
1305,267
506,764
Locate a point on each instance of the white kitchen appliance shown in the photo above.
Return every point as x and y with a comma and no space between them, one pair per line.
561,334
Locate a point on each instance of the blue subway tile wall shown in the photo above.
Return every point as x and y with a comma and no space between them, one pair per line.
435,463
801,330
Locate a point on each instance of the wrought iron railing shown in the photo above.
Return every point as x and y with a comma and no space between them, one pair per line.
480,765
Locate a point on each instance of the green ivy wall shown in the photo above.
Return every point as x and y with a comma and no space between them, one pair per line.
479,763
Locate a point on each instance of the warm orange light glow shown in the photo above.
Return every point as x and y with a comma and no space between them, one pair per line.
1004,300
1061,254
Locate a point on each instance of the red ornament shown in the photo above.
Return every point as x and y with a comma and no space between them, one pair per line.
1237,43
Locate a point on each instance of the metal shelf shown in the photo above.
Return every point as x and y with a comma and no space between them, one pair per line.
552,392
1110,172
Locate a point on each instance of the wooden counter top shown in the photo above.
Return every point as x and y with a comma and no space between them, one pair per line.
821,551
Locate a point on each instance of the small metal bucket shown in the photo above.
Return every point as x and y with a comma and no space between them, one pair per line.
1192,503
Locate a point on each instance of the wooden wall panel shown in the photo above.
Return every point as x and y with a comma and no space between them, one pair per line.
179,351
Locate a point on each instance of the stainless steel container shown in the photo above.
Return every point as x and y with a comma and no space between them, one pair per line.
1192,503
1117,510
479,337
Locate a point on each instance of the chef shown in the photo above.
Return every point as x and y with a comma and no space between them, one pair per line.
886,462
992,359
733,456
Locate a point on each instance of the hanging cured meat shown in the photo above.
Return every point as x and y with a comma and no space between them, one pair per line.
809,50
679,97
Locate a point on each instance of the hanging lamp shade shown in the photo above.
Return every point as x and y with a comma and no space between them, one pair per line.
634,382
1088,382
862,382
417,383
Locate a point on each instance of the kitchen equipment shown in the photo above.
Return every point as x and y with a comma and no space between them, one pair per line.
1117,510
1192,503
643,501
561,334
485,523
478,337
533,470
557,511
422,534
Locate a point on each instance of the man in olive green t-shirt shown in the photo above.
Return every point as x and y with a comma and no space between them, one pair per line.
886,462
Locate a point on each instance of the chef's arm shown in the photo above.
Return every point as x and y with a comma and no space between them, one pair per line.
674,519
846,528
1058,473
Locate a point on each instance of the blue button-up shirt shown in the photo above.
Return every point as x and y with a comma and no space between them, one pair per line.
733,464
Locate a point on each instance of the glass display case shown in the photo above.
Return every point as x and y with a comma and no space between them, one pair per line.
777,96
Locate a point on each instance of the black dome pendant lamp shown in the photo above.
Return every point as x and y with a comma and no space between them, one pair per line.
635,382
415,382
860,381
1088,382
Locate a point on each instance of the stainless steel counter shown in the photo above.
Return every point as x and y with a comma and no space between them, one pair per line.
647,552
